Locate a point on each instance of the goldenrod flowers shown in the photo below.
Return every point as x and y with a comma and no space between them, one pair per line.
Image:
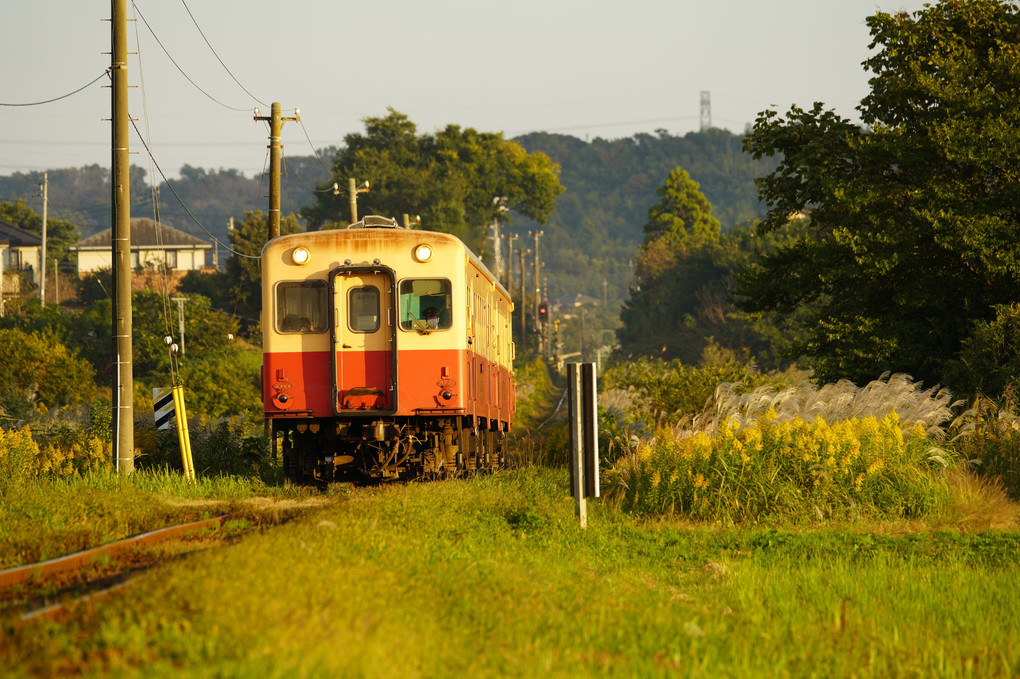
782,468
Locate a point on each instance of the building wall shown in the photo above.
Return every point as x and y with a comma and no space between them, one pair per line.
187,260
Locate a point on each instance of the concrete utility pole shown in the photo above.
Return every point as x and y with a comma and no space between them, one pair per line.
42,257
499,204
497,250
538,290
180,318
353,189
276,121
123,409
524,300
510,259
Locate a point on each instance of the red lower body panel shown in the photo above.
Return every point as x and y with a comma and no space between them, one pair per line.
430,382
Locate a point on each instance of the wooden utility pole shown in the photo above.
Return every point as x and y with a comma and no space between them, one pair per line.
123,409
353,189
275,121
42,256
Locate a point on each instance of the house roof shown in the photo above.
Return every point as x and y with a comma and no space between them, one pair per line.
145,233
17,238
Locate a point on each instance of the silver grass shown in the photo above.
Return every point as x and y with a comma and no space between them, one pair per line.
931,408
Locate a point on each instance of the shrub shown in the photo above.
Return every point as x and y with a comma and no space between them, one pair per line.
665,391
18,455
785,470
534,388
40,372
988,437
989,361
795,450
227,446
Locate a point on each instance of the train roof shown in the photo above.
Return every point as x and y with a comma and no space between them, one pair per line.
374,223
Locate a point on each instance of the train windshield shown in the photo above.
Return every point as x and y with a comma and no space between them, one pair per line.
425,304
363,308
301,306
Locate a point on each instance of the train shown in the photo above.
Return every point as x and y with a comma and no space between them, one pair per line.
387,355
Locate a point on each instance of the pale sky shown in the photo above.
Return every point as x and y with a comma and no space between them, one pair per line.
585,68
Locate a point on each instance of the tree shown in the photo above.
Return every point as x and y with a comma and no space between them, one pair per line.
242,287
913,219
683,216
40,372
449,178
60,234
676,274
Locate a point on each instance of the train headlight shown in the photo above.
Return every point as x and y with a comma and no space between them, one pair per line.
300,256
423,253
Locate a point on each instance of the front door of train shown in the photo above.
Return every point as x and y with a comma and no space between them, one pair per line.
363,341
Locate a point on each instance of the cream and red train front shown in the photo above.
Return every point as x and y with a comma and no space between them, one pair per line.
364,322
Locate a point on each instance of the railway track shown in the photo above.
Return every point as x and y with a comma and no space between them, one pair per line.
43,589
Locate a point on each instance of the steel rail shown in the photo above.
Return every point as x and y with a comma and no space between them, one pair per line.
19,574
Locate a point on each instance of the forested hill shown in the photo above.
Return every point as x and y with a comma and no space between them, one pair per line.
599,219
590,238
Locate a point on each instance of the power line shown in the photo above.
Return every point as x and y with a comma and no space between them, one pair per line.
312,146
186,76
218,56
181,201
63,96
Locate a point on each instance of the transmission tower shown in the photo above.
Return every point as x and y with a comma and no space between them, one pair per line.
706,110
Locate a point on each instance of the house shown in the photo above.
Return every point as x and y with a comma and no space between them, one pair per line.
153,246
19,255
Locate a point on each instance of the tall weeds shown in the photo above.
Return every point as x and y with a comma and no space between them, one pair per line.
795,453
988,437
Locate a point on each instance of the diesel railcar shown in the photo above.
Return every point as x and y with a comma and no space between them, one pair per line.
387,354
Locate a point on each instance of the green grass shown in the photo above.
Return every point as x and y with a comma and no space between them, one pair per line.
51,516
492,577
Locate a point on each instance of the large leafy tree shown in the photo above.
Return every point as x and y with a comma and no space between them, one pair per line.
913,236
678,303
450,179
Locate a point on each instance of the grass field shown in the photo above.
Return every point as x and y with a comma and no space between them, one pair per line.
492,577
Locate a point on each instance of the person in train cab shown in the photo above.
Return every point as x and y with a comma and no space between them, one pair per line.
431,316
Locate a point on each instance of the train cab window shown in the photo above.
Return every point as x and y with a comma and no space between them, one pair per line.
425,305
301,307
363,309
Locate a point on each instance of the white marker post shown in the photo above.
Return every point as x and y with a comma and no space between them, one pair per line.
584,436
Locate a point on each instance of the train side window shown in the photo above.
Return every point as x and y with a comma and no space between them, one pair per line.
301,307
363,309
426,304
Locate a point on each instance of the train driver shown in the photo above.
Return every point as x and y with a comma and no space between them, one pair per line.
431,316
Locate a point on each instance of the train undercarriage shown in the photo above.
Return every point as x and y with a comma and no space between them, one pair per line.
387,448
